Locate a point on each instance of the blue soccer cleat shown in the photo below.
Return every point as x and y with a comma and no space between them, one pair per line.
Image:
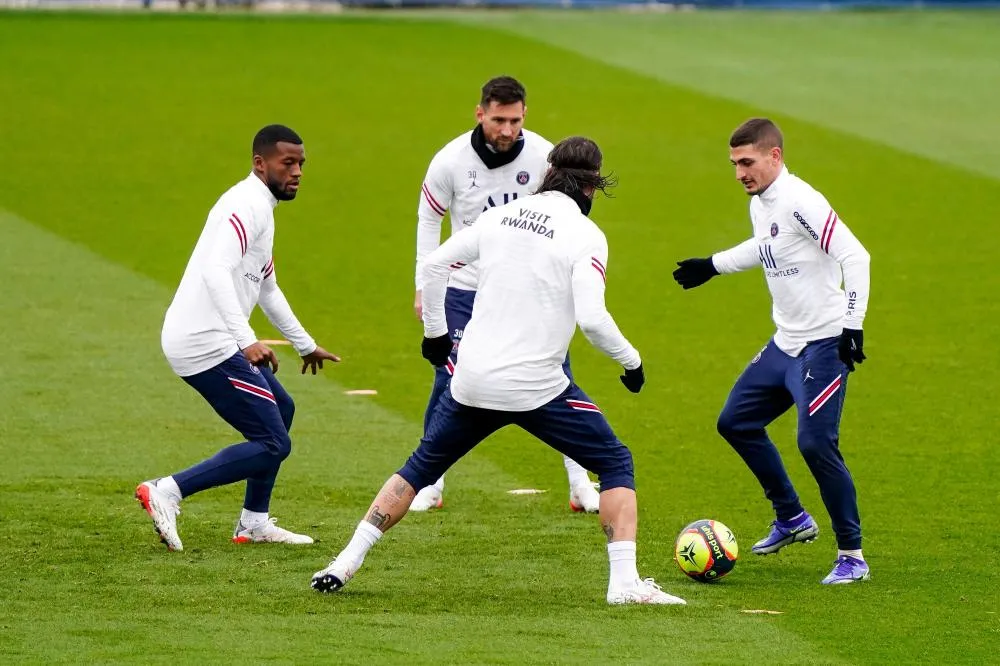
847,569
786,532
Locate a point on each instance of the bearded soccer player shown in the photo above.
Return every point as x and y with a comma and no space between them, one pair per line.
208,342
494,164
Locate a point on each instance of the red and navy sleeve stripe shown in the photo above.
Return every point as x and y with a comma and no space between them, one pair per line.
599,267
432,202
241,232
269,269
831,223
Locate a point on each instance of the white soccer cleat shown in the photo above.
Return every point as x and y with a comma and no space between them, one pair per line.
163,510
427,499
584,498
643,592
333,577
268,533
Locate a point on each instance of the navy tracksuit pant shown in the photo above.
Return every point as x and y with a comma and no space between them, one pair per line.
251,400
815,382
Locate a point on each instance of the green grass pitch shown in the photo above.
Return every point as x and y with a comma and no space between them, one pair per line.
120,131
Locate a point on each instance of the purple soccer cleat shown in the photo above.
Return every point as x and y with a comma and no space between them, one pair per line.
847,569
786,532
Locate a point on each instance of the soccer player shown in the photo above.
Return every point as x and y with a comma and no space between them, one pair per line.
806,250
491,165
542,266
208,341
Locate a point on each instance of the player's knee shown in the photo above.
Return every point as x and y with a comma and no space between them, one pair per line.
815,446
428,462
279,445
417,473
616,470
287,409
727,424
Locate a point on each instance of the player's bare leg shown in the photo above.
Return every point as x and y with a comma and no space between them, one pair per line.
391,504
388,508
619,518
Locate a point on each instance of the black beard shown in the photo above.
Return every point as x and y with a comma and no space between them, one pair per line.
280,194
488,154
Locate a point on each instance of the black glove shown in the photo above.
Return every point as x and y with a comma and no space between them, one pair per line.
850,348
695,272
634,379
437,350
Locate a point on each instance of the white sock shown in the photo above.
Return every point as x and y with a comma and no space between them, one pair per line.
168,486
577,475
439,484
856,554
252,519
366,536
621,555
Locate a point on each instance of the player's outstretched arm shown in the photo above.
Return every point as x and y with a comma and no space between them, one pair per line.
458,251
597,324
315,359
278,311
692,273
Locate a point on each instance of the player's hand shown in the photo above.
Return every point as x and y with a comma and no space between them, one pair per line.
315,359
260,354
437,350
418,304
634,379
693,273
851,347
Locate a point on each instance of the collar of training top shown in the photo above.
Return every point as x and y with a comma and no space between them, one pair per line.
770,195
491,158
259,185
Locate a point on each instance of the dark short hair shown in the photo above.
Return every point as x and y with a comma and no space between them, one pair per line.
575,165
759,132
268,137
503,90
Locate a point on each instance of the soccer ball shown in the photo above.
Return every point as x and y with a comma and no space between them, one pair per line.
706,550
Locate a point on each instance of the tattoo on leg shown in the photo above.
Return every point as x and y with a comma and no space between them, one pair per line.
377,518
609,531
400,489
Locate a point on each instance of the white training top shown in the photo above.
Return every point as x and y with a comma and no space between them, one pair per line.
806,251
230,271
458,181
541,272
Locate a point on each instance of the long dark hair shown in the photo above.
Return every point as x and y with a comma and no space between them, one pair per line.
576,165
